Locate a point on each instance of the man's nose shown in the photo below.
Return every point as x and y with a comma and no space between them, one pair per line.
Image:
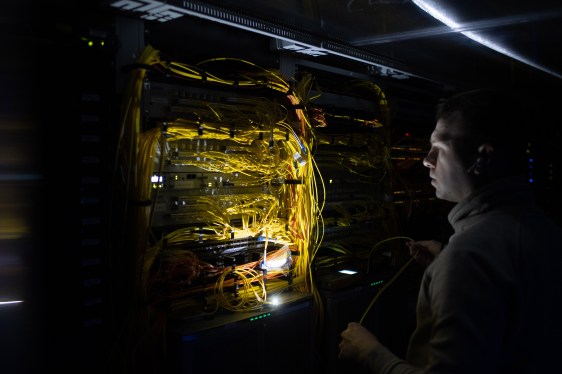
428,161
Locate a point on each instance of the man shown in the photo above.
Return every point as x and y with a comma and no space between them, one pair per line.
490,301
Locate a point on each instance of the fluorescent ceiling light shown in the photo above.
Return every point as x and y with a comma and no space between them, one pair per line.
441,14
10,302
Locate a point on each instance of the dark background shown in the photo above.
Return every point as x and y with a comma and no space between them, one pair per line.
59,249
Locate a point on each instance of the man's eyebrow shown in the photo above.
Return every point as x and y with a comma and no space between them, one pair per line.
441,137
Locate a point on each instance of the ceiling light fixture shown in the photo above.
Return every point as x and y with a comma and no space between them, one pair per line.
440,13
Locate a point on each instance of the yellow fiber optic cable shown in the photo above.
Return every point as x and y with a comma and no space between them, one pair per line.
304,221
392,279
385,287
373,249
249,295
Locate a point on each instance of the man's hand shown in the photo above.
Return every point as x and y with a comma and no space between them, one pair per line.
356,342
424,251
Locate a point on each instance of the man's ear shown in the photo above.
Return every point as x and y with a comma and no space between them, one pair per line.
484,157
485,151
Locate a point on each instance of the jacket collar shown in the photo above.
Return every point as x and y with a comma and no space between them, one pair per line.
498,195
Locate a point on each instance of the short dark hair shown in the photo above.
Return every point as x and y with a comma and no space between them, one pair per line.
495,116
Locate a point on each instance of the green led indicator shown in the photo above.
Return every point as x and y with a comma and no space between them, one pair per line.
260,317
376,283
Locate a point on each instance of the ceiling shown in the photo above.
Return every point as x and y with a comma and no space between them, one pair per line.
415,57
396,38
